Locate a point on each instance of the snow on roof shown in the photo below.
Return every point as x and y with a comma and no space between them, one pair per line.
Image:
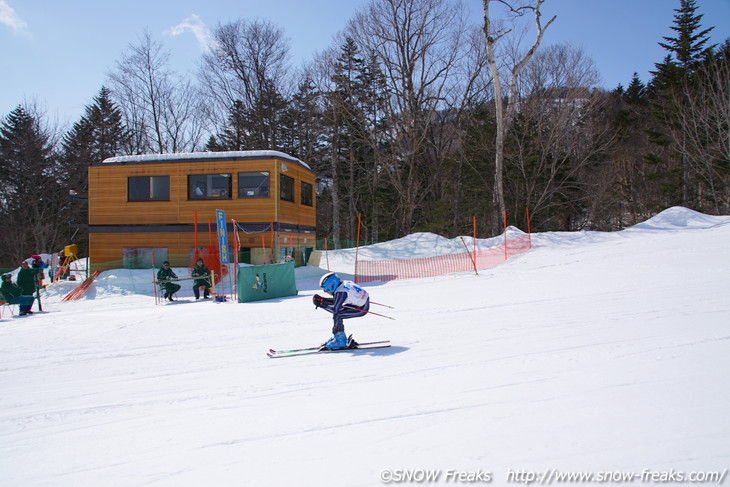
186,156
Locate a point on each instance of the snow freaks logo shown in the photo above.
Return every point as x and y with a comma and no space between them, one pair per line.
423,476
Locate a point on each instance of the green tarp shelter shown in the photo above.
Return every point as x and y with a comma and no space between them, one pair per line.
259,282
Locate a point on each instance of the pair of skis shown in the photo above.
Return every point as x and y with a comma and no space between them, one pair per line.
351,347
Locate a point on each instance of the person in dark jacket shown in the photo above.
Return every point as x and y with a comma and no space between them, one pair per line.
39,265
201,271
14,295
27,279
164,275
348,301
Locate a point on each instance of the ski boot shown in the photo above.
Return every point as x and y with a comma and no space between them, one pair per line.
338,341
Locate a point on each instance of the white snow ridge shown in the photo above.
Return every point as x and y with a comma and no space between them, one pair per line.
595,353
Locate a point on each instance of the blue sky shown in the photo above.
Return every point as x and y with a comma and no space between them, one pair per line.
59,53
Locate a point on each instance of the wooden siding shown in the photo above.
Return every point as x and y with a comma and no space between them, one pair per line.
109,205
108,202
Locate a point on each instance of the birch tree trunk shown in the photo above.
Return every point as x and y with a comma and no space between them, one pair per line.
504,112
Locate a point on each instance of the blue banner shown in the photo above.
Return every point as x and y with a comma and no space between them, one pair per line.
220,217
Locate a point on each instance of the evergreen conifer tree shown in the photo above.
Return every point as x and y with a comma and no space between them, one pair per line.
98,135
235,136
689,46
667,92
32,204
636,91
302,123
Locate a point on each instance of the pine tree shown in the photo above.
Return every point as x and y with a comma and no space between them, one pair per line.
353,119
302,123
689,46
235,136
636,91
667,91
98,135
32,204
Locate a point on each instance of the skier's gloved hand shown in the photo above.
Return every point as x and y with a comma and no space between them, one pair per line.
317,300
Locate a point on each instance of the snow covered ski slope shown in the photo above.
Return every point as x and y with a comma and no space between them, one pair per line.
594,353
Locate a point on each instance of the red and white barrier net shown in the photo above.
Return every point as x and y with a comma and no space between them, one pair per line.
439,265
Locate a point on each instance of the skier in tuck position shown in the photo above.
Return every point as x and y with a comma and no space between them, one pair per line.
348,301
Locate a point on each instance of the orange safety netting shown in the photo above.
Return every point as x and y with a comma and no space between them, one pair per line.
212,261
388,270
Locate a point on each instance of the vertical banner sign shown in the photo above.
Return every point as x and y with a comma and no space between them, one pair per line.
220,217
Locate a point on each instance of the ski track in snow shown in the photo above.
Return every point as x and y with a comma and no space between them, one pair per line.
592,352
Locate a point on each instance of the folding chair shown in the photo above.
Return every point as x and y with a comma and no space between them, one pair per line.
12,307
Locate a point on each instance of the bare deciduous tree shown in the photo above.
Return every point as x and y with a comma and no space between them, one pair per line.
161,109
557,134
703,132
418,44
505,113
248,65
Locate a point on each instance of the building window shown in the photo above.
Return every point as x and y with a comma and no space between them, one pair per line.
148,188
143,257
307,194
209,186
286,193
253,184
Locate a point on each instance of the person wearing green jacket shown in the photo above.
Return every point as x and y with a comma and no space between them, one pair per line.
13,294
202,275
164,276
27,279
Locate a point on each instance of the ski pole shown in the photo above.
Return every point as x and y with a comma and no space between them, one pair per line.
371,312
384,305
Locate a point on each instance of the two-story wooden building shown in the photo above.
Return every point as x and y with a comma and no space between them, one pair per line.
149,204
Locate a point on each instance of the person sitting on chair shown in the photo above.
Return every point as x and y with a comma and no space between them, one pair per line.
164,276
201,272
12,294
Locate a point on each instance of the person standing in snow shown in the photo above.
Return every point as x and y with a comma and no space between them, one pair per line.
348,301
14,295
27,279
202,272
164,275
39,265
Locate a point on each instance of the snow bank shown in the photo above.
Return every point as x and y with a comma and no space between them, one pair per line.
679,218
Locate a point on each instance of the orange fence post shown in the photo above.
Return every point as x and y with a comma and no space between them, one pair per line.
271,241
505,234
210,235
474,220
357,243
263,246
529,238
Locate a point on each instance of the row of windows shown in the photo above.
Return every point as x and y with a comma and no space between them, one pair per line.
217,187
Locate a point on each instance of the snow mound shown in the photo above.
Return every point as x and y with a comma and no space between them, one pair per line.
679,218
425,244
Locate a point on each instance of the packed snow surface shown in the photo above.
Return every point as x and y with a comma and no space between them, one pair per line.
594,352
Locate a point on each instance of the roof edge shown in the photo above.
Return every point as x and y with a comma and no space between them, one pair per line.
202,156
